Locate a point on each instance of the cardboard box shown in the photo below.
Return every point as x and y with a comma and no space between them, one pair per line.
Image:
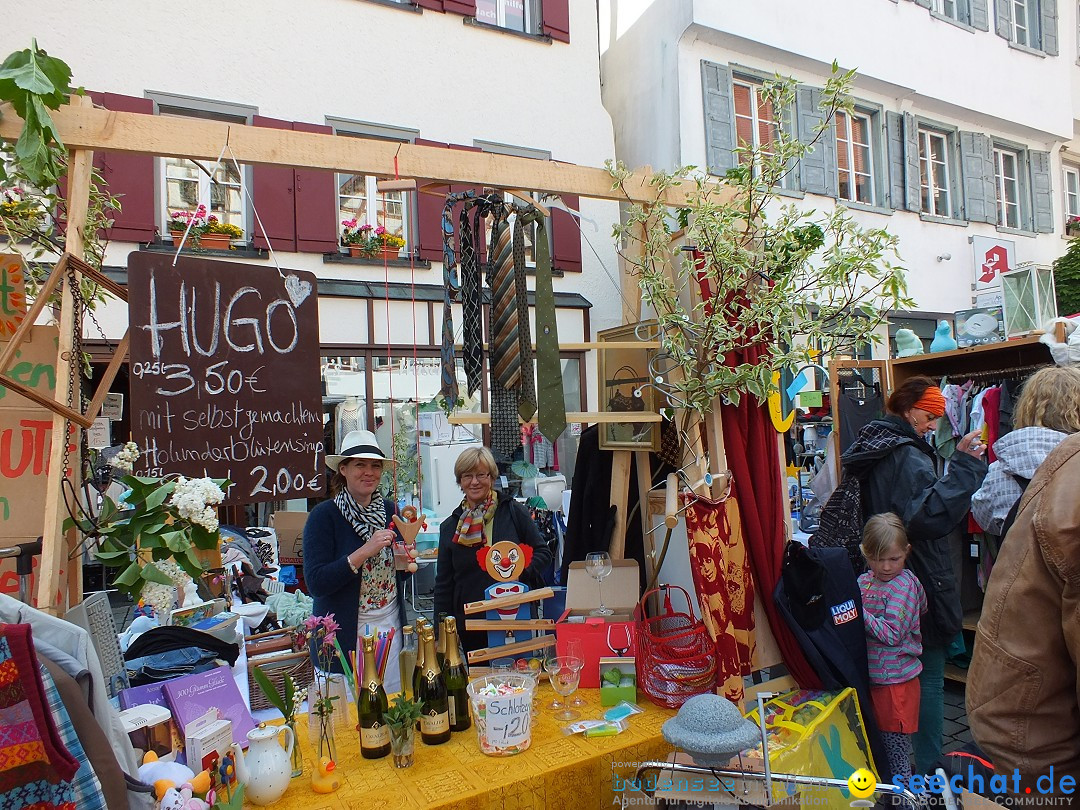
289,527
600,636
613,695
206,737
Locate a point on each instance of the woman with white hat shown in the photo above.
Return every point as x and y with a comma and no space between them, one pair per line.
348,559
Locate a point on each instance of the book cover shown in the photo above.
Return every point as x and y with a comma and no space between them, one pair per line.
192,696
151,693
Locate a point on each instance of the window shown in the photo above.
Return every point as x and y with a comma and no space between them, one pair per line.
530,228
755,119
1023,15
946,8
514,15
1006,181
854,158
1071,183
360,199
934,173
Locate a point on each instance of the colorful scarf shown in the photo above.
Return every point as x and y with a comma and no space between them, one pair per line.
377,582
470,528
35,768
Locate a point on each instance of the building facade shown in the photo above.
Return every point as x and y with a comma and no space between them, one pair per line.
517,77
962,137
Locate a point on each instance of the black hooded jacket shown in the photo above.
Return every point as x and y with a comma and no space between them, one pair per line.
897,473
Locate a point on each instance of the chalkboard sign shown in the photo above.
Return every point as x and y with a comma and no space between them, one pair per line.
225,375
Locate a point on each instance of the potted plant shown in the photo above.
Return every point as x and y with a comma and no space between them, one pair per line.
179,222
154,532
389,244
401,717
218,235
1072,226
358,239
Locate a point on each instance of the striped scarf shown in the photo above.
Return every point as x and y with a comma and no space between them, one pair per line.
470,528
365,520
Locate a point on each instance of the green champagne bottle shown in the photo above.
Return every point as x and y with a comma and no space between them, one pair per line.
457,678
418,668
370,707
435,720
407,660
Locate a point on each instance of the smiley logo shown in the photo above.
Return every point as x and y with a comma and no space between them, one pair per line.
862,784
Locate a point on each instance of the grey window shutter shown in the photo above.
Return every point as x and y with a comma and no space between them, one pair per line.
979,14
894,137
719,118
980,190
817,170
913,189
1042,192
1048,27
923,3
1003,22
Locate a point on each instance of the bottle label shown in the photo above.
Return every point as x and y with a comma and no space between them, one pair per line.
375,737
452,709
435,723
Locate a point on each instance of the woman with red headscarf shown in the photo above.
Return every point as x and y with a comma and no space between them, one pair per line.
898,473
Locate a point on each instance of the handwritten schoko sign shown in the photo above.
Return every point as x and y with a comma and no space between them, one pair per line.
225,375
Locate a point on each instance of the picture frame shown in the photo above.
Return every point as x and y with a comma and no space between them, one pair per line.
622,372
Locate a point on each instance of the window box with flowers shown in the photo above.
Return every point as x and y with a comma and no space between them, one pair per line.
1072,226
206,232
369,242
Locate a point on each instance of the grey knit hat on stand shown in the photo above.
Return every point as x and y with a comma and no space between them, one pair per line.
711,730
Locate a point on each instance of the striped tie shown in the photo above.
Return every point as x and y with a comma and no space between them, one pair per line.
527,383
505,351
472,337
451,290
505,437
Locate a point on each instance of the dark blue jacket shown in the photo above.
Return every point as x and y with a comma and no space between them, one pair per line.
328,539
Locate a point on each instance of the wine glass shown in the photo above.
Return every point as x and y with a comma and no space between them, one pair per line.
575,649
598,566
550,665
565,673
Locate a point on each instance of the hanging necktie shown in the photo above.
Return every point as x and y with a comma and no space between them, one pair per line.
505,438
451,289
549,381
526,384
472,338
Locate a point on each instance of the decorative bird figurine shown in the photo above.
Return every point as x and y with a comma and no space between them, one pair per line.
943,339
908,343
324,778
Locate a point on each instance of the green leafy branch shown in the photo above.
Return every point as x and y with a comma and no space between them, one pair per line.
786,285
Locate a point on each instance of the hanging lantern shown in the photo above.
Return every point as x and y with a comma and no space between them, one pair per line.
1028,298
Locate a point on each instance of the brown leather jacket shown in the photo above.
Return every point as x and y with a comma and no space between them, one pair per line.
1023,697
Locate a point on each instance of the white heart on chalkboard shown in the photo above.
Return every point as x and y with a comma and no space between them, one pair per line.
298,289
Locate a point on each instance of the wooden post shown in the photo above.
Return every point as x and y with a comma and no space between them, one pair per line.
55,548
620,485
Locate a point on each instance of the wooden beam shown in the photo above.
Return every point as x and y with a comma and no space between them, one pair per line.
508,601
202,139
620,484
585,417
507,650
509,624
598,345
54,549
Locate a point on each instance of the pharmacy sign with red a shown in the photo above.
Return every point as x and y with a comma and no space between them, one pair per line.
992,258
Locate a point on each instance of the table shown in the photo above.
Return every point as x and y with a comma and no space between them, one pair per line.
565,772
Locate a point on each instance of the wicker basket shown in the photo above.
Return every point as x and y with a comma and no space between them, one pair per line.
284,659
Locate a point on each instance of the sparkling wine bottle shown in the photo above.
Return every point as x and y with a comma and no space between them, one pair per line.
370,707
407,660
435,719
457,678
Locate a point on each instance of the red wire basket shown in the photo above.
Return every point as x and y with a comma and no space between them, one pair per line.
676,659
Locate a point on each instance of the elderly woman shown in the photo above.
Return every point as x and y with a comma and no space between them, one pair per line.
483,518
348,559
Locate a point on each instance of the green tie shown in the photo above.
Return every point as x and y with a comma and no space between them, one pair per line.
549,382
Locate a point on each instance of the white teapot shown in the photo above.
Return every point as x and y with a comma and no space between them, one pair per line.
266,769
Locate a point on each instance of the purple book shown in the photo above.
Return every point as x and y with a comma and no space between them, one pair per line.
192,696
151,693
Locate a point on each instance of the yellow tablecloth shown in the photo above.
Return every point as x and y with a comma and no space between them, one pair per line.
558,771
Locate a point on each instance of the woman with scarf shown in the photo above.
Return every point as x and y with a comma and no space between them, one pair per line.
348,558
898,473
483,518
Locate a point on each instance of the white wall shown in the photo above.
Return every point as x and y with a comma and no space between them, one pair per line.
355,60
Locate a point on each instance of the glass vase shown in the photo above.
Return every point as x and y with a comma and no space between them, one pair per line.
297,754
324,744
402,744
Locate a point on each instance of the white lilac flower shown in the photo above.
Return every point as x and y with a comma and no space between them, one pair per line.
194,500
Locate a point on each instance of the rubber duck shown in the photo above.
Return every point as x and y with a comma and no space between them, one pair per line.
324,778
943,340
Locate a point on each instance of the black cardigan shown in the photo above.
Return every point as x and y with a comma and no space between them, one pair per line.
459,577
328,539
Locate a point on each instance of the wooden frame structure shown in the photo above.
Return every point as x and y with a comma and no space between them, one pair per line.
85,129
